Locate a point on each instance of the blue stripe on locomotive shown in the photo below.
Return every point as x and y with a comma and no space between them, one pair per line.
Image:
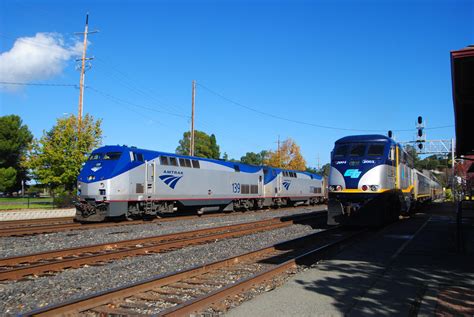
105,169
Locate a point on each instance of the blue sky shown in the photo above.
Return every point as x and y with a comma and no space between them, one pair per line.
365,65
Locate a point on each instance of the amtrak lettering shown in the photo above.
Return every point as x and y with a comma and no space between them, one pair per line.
173,172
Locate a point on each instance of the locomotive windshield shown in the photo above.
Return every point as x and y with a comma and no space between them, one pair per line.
357,150
341,150
105,156
95,156
376,150
112,156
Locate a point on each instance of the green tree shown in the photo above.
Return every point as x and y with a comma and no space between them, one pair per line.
324,170
15,138
57,157
7,178
204,145
253,158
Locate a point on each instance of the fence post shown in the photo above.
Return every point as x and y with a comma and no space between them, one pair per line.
28,200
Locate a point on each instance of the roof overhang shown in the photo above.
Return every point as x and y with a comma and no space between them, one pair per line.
462,74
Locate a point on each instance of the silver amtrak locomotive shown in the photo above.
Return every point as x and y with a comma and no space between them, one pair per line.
121,181
373,181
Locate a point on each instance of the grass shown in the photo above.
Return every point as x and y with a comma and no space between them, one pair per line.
22,203
25,206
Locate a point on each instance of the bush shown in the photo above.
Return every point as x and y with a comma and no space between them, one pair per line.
448,195
62,198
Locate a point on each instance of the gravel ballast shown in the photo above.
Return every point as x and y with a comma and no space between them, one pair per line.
22,296
15,246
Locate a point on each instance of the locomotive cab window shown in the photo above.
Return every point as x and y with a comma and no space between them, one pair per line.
187,162
237,168
341,151
136,157
173,161
376,150
196,164
164,160
112,156
357,150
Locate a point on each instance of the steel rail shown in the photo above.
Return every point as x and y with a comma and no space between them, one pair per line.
23,230
97,302
33,222
17,267
201,303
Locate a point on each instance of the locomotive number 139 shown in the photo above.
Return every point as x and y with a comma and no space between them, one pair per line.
236,187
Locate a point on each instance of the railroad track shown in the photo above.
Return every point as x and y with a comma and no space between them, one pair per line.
204,288
40,226
34,222
46,263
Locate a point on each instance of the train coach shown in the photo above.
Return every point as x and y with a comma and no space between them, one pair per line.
122,181
373,181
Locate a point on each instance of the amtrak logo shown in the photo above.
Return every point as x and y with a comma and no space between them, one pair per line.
352,173
170,180
286,184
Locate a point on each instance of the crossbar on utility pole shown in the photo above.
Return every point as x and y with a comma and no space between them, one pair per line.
191,146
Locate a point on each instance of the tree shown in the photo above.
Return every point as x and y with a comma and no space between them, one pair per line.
324,170
7,178
253,158
15,138
204,145
56,159
289,157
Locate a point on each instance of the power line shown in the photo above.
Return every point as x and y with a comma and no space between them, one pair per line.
122,101
37,84
303,122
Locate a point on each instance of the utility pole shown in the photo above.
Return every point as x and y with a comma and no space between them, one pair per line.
83,69
319,166
191,147
279,155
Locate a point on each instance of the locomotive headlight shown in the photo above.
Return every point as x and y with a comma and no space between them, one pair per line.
374,187
338,187
365,187
78,186
90,177
102,185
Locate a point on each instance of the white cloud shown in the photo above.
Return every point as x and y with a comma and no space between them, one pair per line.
36,58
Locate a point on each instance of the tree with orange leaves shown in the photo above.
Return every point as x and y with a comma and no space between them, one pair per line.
288,156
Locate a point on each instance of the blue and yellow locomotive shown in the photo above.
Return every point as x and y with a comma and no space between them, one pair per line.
373,181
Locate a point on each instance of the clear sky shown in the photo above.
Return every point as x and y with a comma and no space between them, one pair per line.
356,65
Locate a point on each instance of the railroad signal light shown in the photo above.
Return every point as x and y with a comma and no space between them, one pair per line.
420,120
420,146
390,134
420,132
